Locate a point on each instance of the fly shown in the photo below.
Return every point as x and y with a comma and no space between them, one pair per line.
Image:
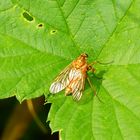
72,78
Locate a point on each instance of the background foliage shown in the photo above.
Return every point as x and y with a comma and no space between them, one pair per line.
39,38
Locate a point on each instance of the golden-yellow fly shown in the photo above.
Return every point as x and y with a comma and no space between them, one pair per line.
72,78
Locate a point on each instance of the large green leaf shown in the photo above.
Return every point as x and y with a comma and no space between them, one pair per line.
39,38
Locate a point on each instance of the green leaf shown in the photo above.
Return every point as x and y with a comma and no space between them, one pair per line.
40,38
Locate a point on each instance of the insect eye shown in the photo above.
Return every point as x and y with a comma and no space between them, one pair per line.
84,54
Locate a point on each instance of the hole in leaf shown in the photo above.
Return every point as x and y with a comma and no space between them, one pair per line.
40,25
27,16
53,31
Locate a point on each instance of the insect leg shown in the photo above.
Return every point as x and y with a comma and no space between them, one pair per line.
94,90
92,69
100,78
95,62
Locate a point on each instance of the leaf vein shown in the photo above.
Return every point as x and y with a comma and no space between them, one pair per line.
116,27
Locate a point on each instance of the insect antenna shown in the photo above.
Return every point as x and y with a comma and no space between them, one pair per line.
95,62
104,63
94,90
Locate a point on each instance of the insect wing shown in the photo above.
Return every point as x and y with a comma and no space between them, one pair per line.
77,83
61,81
77,93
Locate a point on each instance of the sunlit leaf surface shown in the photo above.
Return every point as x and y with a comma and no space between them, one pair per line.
40,38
